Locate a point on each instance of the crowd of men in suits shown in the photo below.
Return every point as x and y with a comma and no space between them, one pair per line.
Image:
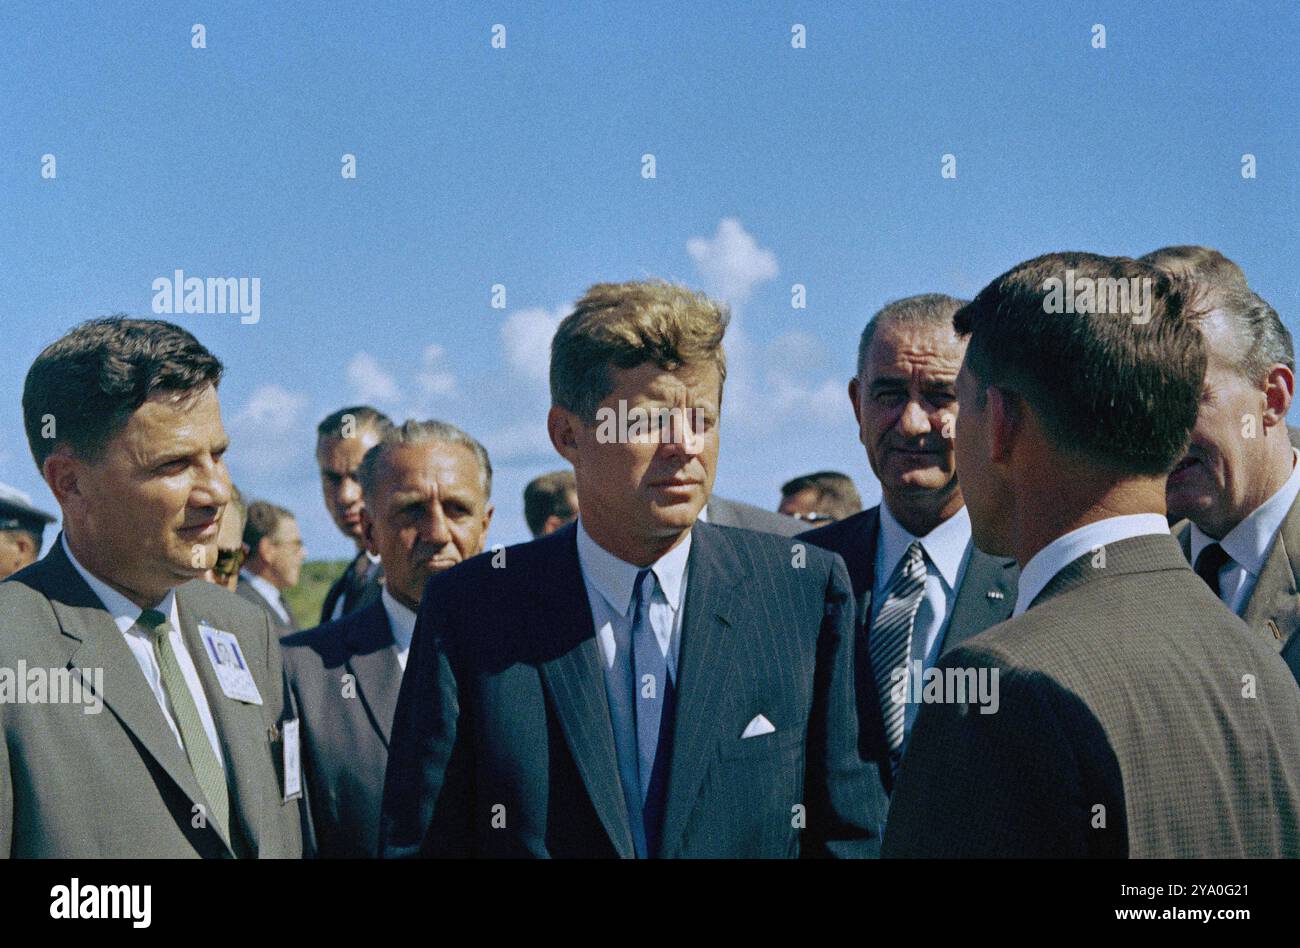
1011,655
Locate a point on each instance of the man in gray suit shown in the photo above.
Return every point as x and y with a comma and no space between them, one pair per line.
912,552
426,487
123,420
1123,712
275,555
1238,485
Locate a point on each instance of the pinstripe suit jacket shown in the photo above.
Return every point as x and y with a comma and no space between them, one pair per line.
502,744
986,596
1126,726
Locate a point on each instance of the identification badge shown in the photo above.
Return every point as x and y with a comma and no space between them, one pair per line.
292,770
233,673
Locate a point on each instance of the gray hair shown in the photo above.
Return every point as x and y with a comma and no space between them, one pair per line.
423,432
1262,339
928,309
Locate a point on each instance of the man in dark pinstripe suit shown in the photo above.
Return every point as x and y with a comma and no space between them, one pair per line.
636,684
1135,715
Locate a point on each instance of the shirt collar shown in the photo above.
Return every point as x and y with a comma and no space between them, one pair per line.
125,613
262,585
1067,548
1248,542
613,578
944,546
401,620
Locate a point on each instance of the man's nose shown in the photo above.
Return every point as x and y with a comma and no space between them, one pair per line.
914,419
349,491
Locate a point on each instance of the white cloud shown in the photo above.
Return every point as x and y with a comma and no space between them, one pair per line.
526,335
266,433
370,382
434,378
732,263
271,408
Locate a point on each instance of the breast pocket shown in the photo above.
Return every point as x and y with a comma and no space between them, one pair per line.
778,740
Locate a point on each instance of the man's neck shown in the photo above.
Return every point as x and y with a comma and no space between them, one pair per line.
261,572
1053,509
919,513
639,551
144,598
1276,472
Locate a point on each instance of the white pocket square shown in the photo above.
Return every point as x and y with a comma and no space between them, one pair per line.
758,727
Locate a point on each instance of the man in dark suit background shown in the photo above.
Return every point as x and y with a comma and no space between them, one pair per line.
274,563
22,530
427,486
1238,485
123,421
637,683
1131,714
922,587
342,440
722,512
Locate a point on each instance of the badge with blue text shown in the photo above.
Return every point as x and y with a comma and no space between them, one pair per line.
227,659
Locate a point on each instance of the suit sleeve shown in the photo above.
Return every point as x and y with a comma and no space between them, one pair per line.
292,706
846,802
428,801
1001,784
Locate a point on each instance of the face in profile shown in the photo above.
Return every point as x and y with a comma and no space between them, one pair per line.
981,488
905,400
338,460
1218,481
230,550
147,512
649,486
283,553
427,512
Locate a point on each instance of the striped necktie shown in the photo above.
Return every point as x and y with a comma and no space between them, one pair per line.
207,768
891,640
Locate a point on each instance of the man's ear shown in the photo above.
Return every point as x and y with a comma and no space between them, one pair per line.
61,472
368,531
1279,389
562,425
1005,412
854,391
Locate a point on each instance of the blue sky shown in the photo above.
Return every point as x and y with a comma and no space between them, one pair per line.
522,166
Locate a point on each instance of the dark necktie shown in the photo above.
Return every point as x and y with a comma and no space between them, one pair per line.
1208,563
652,701
356,583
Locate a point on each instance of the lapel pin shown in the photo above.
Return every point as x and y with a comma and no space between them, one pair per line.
995,594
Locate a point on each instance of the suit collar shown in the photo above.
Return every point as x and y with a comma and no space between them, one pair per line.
1274,598
100,645
1066,550
372,661
1140,553
569,665
614,578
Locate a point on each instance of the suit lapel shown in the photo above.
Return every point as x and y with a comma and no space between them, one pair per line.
709,636
573,678
975,610
101,645
241,728
1274,597
372,661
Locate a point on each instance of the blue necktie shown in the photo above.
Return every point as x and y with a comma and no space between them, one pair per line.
652,695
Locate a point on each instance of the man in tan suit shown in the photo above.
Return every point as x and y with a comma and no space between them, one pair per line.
123,421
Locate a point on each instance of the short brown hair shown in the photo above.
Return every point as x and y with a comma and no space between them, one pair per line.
1194,262
91,381
1115,393
549,495
359,417
624,325
262,521
837,496
927,309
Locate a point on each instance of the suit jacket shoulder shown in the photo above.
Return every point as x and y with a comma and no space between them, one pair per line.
735,513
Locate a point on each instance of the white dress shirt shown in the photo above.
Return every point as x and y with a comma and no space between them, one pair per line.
609,583
1065,549
947,551
126,613
269,593
1248,542
401,622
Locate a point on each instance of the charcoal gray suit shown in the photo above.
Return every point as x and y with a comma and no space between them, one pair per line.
1273,609
987,596
1137,718
503,746
346,724
117,783
733,513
